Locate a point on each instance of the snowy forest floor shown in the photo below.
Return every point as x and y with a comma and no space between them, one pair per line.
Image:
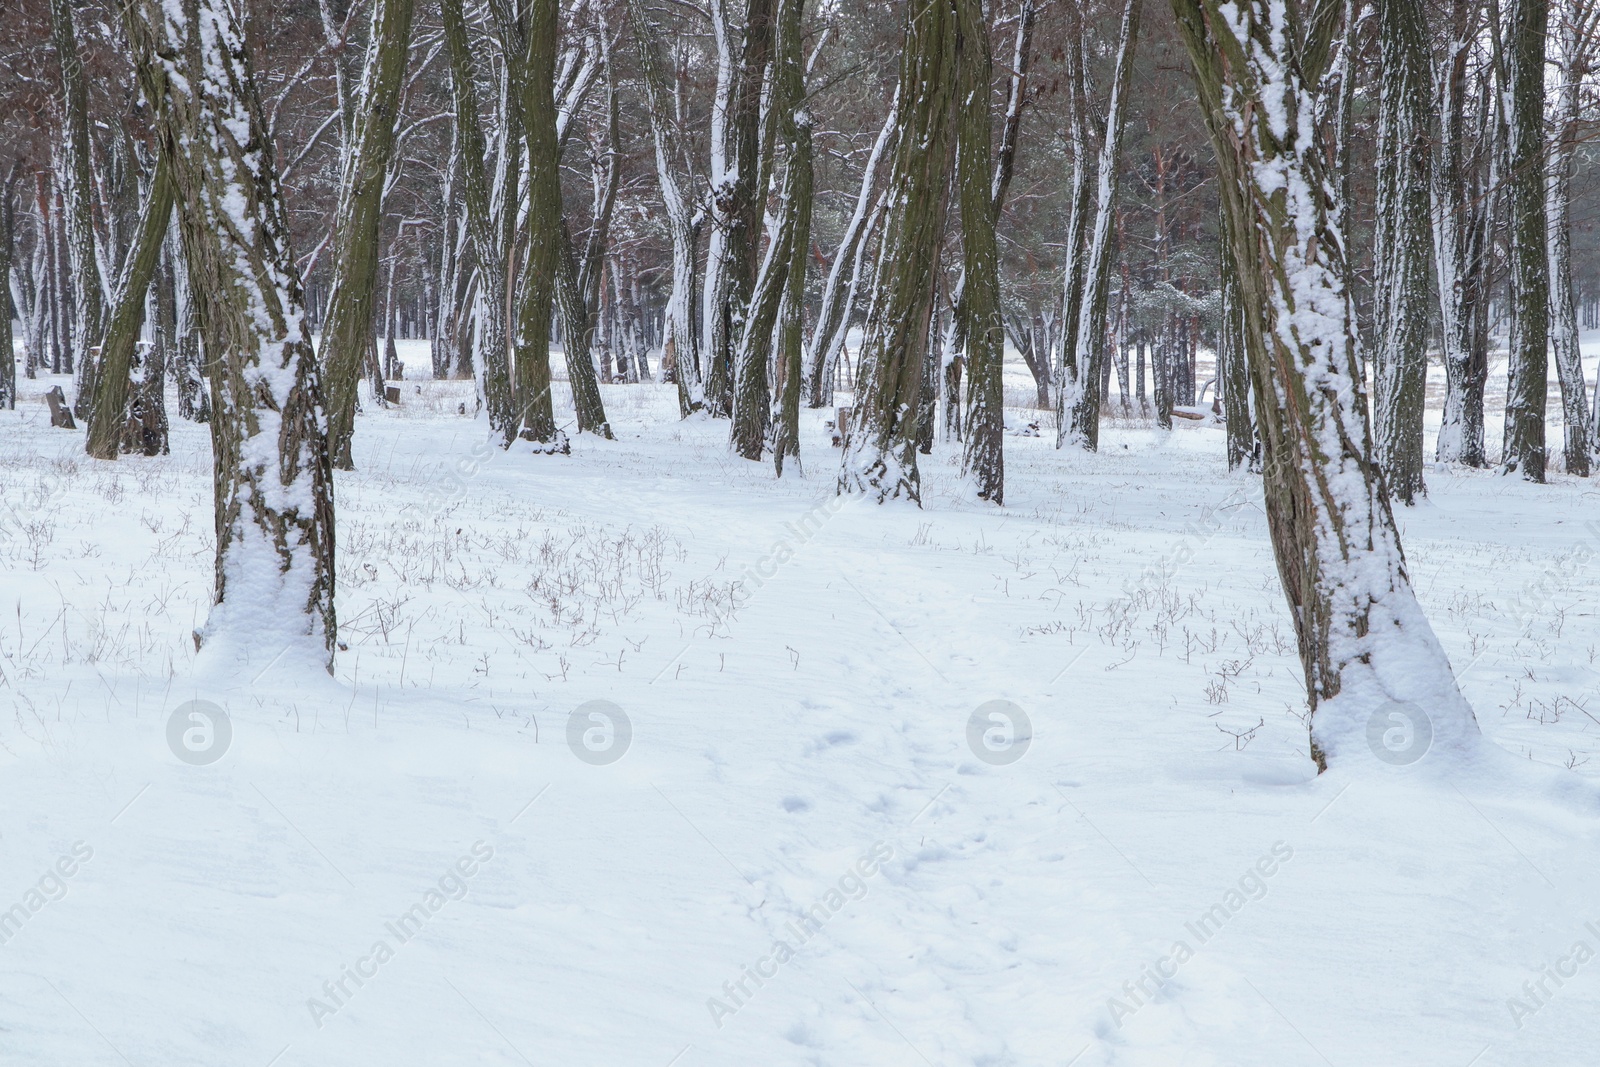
1127,601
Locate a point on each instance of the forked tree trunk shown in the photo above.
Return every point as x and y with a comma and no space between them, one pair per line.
108,412
274,501
1402,290
1529,295
880,457
347,328
1363,639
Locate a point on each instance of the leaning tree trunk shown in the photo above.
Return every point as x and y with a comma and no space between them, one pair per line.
577,330
78,195
1364,642
347,328
1529,296
108,413
833,317
678,347
983,455
1460,218
880,458
1079,399
1400,245
1558,198
274,500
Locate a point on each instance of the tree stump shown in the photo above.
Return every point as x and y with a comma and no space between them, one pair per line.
60,414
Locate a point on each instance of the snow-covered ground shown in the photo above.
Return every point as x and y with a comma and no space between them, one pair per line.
806,852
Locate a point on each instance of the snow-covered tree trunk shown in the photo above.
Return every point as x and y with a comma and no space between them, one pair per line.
1075,269
1529,295
1363,639
880,457
108,408
1079,399
274,500
717,307
347,328
489,347
1401,288
88,288
978,304
678,343
1574,36
839,291
1460,216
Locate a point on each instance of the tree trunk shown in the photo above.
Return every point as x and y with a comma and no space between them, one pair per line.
1459,209
983,457
880,457
8,356
1575,44
274,501
678,348
489,348
794,127
533,78
1363,640
347,328
1400,245
78,194
833,318
1079,401
1529,370
108,411
577,329
1233,369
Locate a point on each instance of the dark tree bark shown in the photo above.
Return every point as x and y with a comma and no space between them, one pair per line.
1402,290
794,129
880,457
978,305
347,330
108,412
1528,387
